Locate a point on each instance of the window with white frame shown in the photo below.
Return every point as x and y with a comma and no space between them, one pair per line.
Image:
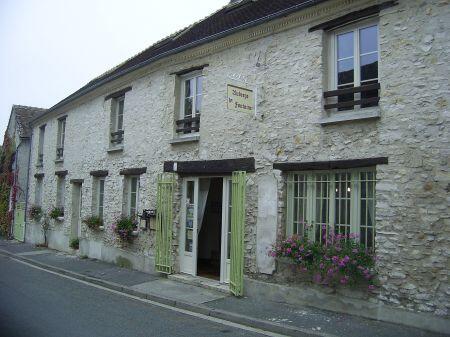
191,97
60,138
117,130
60,192
38,191
98,196
354,58
131,195
40,157
321,203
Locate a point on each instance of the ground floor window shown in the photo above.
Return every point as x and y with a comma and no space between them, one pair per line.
334,201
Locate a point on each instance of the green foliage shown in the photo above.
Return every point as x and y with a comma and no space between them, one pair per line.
93,222
124,227
56,212
35,212
340,260
75,243
6,182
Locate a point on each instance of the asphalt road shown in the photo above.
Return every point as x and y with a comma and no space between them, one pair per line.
34,303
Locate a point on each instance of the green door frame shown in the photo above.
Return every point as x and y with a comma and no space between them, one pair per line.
164,223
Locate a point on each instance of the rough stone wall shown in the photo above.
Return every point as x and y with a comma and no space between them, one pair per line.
288,68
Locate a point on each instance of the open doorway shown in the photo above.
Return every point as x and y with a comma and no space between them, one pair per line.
210,228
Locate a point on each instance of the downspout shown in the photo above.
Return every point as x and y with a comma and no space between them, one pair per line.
28,188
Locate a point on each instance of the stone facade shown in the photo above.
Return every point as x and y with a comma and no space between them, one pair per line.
287,65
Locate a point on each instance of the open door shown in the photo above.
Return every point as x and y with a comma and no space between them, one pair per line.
189,226
237,233
164,223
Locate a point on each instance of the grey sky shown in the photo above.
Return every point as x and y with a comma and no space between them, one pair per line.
50,48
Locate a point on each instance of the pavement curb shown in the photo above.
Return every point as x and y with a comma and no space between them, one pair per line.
229,316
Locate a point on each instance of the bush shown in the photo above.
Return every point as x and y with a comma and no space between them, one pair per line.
93,222
340,260
56,212
75,243
124,227
35,212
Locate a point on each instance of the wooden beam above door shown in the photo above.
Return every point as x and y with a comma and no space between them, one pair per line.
205,167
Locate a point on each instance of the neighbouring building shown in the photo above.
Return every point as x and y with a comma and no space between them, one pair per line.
18,136
233,133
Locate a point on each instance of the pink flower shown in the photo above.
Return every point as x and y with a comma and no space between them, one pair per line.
344,280
289,250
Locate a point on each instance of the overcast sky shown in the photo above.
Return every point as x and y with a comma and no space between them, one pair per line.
50,48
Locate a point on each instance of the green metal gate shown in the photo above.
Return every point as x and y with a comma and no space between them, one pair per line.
19,221
164,223
237,233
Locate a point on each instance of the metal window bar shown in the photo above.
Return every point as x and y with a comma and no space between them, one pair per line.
117,137
188,125
59,152
367,183
345,103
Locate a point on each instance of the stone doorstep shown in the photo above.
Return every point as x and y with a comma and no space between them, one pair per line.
201,309
202,282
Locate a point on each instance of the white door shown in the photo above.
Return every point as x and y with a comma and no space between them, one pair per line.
226,231
189,225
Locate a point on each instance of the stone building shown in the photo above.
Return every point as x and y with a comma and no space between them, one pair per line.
18,133
297,99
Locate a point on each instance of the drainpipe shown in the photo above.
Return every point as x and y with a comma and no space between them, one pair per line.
28,188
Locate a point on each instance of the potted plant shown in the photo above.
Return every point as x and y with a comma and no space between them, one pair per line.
56,213
94,222
125,228
75,243
35,212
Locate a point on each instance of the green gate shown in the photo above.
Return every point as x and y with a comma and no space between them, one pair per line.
237,233
19,221
164,223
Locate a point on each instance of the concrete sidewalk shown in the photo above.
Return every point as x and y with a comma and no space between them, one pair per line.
271,316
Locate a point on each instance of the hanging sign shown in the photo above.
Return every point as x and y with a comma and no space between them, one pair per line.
240,99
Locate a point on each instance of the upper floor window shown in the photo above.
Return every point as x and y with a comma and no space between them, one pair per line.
354,56
342,202
40,158
117,131
191,96
60,138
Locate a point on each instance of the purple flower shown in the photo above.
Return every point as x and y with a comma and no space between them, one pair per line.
346,258
344,280
371,287
317,278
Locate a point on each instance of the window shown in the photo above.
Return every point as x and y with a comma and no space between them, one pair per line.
40,158
191,97
38,191
117,109
131,195
60,192
60,138
354,56
98,196
339,201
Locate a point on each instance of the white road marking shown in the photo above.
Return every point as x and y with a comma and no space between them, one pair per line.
183,311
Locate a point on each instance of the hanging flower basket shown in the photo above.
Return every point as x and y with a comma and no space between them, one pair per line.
56,213
35,212
125,228
94,222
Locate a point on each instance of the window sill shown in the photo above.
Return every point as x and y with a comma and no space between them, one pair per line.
115,149
57,161
186,139
359,115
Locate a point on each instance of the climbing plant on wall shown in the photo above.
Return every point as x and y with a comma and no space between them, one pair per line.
6,183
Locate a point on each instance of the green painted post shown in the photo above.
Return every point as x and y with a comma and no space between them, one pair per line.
237,233
164,222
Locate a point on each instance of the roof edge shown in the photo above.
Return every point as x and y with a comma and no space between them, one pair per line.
191,45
